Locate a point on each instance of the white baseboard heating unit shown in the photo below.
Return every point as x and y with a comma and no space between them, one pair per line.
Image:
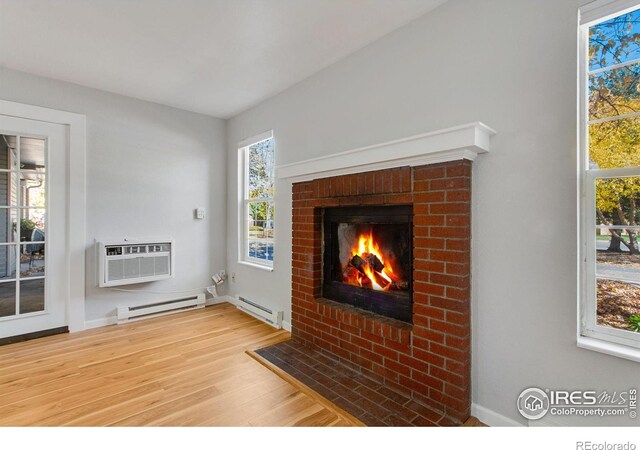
131,313
273,318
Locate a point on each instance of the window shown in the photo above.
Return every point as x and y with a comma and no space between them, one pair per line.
257,162
610,176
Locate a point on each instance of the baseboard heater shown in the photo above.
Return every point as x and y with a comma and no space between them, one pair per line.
131,313
273,318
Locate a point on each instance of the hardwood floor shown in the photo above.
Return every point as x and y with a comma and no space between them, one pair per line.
188,369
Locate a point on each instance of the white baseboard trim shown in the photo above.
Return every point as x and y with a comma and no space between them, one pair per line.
492,418
286,325
103,322
219,300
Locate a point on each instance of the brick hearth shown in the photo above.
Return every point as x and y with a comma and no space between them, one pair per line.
429,361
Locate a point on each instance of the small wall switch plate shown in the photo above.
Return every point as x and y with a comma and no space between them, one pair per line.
199,213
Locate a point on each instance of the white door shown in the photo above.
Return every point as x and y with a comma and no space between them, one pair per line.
34,274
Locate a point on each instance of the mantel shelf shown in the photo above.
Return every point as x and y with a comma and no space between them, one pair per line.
461,142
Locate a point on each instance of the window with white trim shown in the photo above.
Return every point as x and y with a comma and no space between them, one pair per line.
610,172
257,215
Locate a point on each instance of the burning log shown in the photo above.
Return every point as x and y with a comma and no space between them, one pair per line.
373,261
358,263
350,273
399,286
380,280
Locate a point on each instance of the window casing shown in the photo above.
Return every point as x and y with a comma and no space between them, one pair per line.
257,209
609,172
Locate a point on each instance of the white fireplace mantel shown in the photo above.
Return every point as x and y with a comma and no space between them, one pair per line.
461,142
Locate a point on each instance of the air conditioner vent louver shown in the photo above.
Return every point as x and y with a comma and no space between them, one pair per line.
134,261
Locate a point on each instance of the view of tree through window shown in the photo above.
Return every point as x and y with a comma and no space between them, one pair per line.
259,201
614,143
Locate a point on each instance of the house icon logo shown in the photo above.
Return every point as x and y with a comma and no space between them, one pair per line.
533,403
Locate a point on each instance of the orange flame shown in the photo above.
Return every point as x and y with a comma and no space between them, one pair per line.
379,281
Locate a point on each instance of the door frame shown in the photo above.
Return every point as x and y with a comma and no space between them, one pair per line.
76,185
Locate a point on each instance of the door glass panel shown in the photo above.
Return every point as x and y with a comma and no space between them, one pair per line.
32,154
8,299
8,189
31,296
32,190
8,225
8,155
32,260
32,225
7,262
22,224
23,217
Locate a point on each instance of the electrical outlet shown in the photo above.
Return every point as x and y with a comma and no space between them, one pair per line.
233,277
199,213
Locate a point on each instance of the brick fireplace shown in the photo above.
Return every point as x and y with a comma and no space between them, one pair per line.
429,356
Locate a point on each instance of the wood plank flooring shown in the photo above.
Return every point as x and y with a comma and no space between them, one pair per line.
188,369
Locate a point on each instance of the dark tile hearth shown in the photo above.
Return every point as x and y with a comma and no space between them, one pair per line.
369,401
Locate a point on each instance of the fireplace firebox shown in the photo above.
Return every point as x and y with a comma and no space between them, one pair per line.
368,258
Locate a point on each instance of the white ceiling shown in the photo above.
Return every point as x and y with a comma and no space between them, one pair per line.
217,57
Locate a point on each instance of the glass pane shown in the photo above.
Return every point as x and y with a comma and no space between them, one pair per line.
615,41
7,262
257,249
31,296
270,246
8,156
32,225
261,169
614,259
32,190
617,201
258,212
261,230
614,144
32,151
614,92
618,304
8,225
32,260
8,189
8,299
617,252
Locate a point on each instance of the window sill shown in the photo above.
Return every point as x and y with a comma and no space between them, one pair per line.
256,266
609,348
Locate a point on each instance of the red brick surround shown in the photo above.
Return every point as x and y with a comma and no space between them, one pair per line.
431,359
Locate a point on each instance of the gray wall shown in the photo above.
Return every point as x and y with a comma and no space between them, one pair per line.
512,65
148,167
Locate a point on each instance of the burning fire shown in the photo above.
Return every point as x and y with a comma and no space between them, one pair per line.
368,268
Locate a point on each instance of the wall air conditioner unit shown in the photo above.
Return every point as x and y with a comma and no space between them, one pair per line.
130,261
